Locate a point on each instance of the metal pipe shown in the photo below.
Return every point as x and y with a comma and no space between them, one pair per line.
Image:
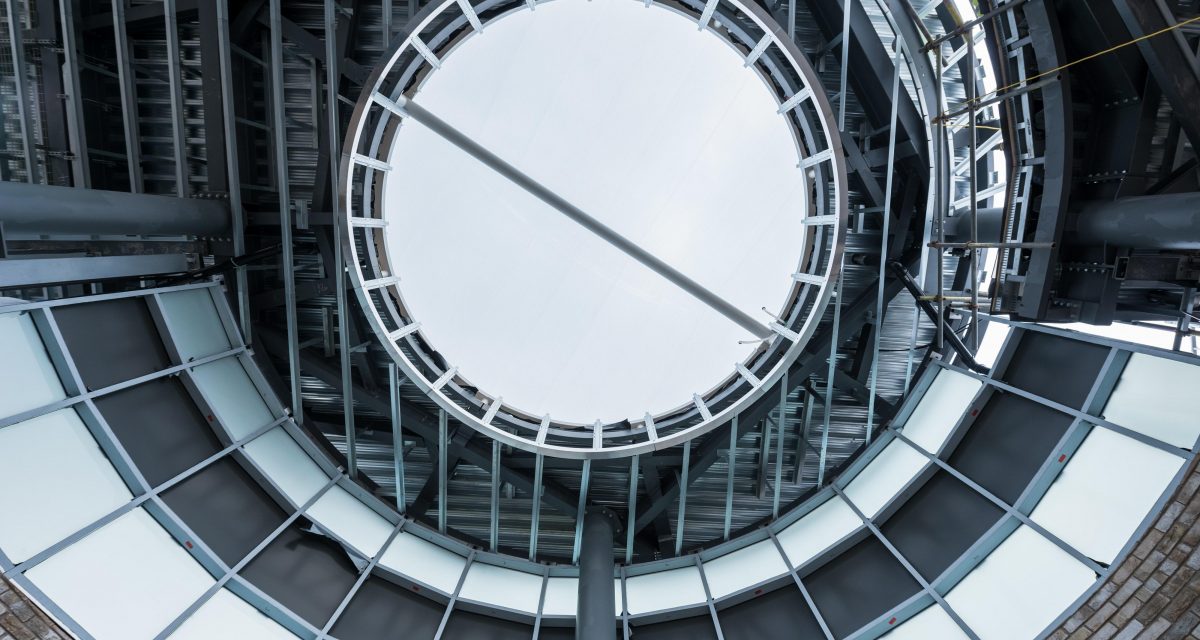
1167,221
597,602
51,210
460,140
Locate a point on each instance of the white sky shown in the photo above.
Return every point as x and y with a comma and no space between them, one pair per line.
642,121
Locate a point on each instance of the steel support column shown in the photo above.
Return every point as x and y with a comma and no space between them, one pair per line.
597,602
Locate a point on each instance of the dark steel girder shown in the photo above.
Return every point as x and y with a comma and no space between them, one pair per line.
314,46
1169,58
136,14
871,70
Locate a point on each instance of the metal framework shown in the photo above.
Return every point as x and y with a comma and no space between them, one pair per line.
386,101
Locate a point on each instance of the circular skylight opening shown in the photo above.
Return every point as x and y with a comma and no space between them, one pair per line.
655,128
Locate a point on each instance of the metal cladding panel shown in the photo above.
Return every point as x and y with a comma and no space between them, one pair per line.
382,610
782,613
195,323
556,633
112,341
858,586
939,523
27,377
1008,444
694,628
307,573
1056,368
464,625
160,428
225,507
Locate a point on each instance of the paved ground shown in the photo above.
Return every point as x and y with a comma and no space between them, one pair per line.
20,619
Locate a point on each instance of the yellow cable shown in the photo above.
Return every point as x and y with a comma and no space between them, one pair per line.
1086,58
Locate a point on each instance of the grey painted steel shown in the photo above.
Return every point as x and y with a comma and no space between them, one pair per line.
877,334
442,469
377,111
52,210
1168,221
829,376
596,599
681,519
37,272
175,84
17,50
229,120
76,128
991,219
285,211
125,77
332,81
1171,58
1101,388
912,571
397,437
937,316
606,233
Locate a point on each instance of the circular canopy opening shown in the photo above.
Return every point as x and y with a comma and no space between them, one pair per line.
642,121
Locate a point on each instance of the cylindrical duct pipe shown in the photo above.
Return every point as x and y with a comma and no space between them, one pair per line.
595,618
50,210
1168,221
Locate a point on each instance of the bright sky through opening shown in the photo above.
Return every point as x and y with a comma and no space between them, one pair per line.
644,122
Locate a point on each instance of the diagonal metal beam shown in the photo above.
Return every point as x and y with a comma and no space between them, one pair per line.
604,232
1170,58
854,315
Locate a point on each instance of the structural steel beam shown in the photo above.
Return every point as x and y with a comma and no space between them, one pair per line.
1170,58
49,210
37,272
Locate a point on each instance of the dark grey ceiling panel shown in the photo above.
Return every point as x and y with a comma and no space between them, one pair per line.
1008,443
1055,368
859,585
111,341
305,572
939,523
556,633
464,625
226,508
782,613
382,610
694,628
160,427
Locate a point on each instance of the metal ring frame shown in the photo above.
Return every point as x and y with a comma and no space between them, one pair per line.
434,33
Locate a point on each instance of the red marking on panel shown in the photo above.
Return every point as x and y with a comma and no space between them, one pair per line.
892,621
188,543
974,412
210,417
1062,458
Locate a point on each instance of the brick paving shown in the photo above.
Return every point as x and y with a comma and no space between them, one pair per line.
1153,593
20,619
